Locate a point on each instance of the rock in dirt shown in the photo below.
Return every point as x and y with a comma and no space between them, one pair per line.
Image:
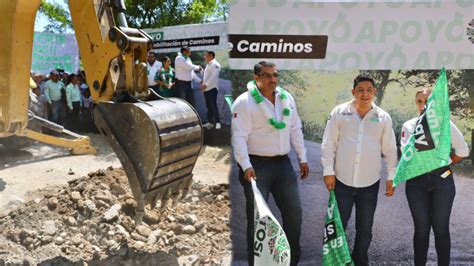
112,213
52,203
75,196
189,229
191,260
49,228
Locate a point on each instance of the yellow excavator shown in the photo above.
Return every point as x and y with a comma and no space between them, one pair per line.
157,140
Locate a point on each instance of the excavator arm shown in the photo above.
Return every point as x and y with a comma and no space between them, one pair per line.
157,141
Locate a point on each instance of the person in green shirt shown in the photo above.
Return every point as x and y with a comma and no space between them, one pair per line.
165,78
52,92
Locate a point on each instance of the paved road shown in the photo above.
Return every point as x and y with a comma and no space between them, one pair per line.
393,226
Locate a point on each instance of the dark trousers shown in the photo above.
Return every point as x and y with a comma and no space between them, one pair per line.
87,120
211,104
275,175
430,198
365,201
63,115
185,91
73,119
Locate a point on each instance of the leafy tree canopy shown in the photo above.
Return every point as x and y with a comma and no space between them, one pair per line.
145,13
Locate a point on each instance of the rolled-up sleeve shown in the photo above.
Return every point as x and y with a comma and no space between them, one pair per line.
389,147
241,128
329,144
296,136
457,142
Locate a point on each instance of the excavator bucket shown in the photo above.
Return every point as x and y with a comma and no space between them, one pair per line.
157,142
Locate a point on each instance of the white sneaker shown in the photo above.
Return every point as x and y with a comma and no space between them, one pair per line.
208,125
218,125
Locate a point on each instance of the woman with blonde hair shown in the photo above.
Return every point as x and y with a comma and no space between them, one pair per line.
430,196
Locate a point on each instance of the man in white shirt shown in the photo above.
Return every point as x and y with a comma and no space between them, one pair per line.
152,66
210,84
265,125
184,69
358,133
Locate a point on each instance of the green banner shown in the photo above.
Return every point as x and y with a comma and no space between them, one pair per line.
429,145
228,98
335,248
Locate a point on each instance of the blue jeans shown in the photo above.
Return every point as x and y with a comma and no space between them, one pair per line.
365,201
184,90
211,104
55,110
275,175
430,198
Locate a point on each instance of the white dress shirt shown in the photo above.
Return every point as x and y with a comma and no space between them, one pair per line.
152,69
457,140
352,147
252,133
183,68
211,75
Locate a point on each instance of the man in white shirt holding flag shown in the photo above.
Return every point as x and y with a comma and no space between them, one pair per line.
358,133
265,125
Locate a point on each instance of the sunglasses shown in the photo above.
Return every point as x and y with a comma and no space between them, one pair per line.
268,75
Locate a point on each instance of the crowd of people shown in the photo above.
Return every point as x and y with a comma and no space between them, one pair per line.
63,98
167,81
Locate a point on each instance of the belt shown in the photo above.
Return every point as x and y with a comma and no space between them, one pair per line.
270,158
440,170
178,80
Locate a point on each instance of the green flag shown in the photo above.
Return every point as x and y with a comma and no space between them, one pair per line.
229,100
335,248
429,145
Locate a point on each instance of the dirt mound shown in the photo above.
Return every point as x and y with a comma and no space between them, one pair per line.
91,220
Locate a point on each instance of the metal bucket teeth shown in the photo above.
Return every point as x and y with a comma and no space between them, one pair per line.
164,200
186,188
157,142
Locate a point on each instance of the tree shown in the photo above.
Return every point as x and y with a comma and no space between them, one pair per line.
146,13
58,17
382,79
160,13
460,87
